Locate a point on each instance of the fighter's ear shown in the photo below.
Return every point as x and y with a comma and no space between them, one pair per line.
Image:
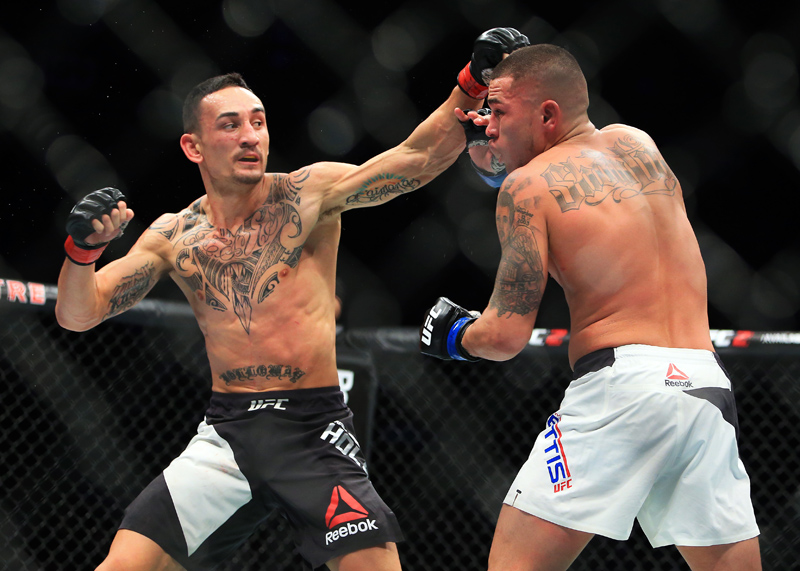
550,111
190,144
550,114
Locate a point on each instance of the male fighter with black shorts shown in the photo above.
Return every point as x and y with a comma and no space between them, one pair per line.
256,258
647,429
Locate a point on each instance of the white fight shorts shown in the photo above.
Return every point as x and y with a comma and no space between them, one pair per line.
647,433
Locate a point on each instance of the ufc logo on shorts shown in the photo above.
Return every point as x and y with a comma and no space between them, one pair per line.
427,328
277,404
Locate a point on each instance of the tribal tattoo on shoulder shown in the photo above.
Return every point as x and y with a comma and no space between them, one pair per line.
520,277
233,270
382,187
629,168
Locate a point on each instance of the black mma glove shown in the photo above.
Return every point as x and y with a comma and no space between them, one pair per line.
444,326
476,135
487,52
79,224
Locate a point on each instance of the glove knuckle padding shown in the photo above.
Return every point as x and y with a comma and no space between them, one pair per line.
476,134
489,49
91,207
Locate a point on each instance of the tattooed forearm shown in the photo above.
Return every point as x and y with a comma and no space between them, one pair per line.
520,278
267,372
383,187
521,298
131,290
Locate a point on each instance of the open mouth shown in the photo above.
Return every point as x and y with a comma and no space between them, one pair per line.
249,159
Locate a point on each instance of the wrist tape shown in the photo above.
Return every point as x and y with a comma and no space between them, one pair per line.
454,348
81,255
470,85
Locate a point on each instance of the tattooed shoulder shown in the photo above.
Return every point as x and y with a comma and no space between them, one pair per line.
630,167
172,226
287,187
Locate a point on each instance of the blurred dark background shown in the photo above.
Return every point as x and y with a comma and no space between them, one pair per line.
90,96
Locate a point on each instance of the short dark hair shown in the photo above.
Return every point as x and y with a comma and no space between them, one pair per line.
533,61
555,70
191,120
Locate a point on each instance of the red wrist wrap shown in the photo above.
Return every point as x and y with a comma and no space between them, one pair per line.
81,256
469,86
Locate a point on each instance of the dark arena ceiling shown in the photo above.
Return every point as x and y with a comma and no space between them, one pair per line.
90,96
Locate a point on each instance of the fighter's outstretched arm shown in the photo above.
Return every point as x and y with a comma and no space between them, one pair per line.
433,146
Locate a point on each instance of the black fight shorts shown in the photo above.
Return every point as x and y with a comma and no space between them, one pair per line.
294,450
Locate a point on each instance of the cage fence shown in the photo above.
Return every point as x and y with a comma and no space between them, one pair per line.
88,419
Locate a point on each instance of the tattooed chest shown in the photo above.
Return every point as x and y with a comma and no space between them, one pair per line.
236,270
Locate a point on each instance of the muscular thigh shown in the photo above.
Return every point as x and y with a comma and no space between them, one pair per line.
525,542
131,551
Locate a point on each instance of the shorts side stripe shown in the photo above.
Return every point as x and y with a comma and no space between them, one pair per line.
207,486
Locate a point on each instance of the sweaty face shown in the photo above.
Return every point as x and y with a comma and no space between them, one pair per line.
512,124
233,137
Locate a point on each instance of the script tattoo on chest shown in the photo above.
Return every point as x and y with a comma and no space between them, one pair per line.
629,168
234,269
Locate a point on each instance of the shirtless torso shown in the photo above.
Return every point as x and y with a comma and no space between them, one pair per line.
256,255
619,241
601,211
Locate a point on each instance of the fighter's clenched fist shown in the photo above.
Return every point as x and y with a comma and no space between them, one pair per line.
488,50
98,218
443,328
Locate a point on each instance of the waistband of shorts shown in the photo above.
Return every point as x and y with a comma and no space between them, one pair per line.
300,394
297,401
601,358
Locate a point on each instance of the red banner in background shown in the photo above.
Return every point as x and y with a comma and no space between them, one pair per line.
25,292
33,293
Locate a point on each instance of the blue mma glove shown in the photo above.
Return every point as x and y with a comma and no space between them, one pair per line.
441,333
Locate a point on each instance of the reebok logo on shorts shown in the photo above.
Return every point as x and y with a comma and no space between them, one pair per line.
343,511
556,459
677,378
